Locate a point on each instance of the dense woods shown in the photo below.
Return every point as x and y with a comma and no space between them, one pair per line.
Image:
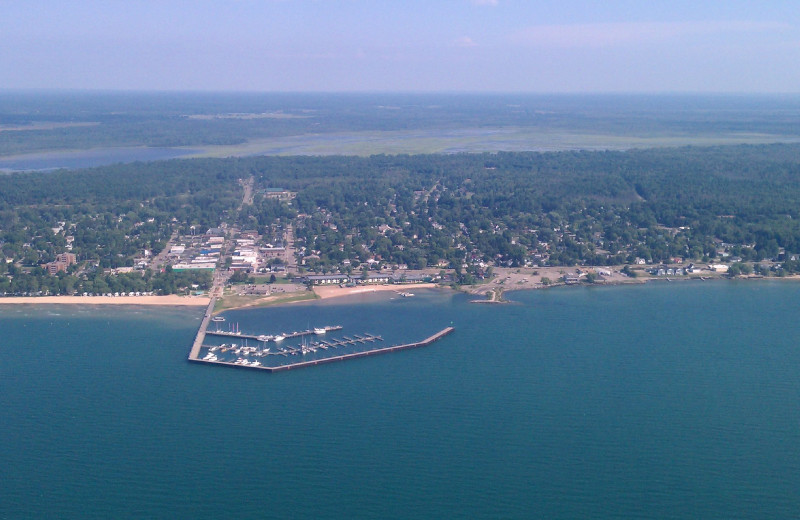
448,211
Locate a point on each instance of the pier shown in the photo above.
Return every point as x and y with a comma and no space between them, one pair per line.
201,332
344,357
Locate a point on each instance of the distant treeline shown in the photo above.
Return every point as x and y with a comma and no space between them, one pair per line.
198,119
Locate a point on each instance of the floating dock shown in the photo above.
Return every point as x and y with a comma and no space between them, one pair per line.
285,335
193,356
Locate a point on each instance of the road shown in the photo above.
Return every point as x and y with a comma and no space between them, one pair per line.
247,198
289,258
160,260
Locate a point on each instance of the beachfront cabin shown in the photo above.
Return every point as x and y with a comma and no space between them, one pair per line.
376,279
327,279
410,278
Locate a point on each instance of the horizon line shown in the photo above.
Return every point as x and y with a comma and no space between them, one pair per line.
52,90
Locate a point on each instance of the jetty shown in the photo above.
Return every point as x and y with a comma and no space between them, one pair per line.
344,357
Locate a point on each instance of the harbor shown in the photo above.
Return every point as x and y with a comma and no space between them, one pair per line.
276,337
273,352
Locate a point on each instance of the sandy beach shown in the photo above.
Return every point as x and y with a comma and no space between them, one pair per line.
335,291
172,300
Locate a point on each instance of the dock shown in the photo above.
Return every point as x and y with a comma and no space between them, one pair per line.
344,357
270,337
201,332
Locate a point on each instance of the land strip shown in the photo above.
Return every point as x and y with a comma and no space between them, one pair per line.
172,300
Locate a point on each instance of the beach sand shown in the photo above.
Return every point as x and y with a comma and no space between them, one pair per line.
335,291
172,300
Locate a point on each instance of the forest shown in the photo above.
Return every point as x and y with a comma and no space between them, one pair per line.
459,211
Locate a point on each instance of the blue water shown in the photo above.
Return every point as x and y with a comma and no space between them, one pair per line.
671,401
73,159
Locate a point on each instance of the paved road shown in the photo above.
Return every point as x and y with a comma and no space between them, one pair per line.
247,198
161,258
289,258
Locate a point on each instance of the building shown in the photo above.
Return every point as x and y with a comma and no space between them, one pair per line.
327,279
278,193
61,263
376,279
67,258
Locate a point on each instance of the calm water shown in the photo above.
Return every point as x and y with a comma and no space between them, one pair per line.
72,159
671,401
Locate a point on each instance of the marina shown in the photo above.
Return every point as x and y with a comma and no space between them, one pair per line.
277,337
244,353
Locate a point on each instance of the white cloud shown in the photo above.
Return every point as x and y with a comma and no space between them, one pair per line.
465,41
611,34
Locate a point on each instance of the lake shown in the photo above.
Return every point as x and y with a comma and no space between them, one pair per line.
664,401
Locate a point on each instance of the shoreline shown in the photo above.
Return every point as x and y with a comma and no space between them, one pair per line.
485,293
325,293
495,294
169,300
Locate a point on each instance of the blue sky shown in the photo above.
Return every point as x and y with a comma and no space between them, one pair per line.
411,45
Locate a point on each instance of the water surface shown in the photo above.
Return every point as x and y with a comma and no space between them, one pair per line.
668,401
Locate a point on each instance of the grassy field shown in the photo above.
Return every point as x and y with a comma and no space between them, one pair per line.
234,301
476,140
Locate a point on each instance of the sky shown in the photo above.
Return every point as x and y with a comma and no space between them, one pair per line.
537,46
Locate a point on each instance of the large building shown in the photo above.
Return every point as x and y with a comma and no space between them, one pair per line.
61,263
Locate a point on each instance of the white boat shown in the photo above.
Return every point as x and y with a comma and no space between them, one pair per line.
218,319
320,330
264,337
279,338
